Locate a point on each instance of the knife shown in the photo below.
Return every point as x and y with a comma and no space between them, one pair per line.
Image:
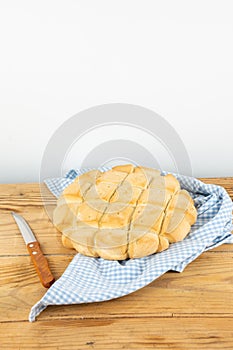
33,246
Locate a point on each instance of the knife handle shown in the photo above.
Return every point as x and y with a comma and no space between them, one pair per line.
41,264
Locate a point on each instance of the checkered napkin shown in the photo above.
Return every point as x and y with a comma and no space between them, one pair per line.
89,279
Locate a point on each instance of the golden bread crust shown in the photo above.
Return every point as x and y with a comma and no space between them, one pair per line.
126,212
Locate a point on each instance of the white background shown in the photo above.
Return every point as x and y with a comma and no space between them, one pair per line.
60,57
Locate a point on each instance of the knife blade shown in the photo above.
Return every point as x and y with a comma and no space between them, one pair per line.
39,260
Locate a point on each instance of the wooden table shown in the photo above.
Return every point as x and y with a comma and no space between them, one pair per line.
189,310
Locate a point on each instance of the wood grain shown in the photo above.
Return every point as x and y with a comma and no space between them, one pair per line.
45,232
127,333
205,287
26,200
191,310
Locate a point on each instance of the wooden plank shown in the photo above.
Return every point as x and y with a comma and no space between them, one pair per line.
24,194
205,287
224,248
178,311
11,241
226,182
29,194
26,200
128,333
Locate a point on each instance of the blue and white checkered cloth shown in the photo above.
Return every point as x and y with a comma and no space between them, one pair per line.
89,279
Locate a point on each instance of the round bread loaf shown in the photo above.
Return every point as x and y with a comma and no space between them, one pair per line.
126,212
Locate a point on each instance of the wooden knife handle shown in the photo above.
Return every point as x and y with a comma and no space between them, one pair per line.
41,264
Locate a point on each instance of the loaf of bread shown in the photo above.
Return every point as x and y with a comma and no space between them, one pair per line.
126,212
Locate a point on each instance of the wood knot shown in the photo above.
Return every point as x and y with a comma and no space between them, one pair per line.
91,343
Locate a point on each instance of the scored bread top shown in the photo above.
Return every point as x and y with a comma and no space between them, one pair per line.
125,212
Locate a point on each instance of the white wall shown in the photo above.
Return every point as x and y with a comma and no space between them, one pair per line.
60,57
